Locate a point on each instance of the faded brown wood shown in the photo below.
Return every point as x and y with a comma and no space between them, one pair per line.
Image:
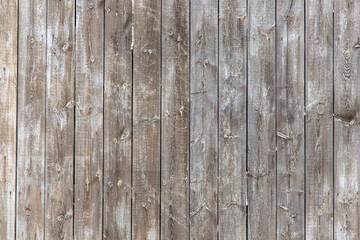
59,120
319,120
89,119
117,120
261,173
146,119
175,120
8,117
290,119
232,119
346,127
203,119
31,120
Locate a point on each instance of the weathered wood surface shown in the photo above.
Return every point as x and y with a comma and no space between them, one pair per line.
232,119
319,119
31,120
261,140
146,119
175,120
169,119
89,120
346,127
290,119
203,119
8,117
117,120
59,120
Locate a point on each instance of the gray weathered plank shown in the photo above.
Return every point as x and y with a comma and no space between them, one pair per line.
175,120
31,120
59,120
346,127
261,120
146,119
8,117
319,120
232,117
203,119
290,119
89,119
117,120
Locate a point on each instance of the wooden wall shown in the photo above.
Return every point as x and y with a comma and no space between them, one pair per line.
179,119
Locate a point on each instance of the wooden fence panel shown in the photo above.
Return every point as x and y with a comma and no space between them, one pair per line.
232,119
31,120
290,191
8,117
175,120
89,119
319,119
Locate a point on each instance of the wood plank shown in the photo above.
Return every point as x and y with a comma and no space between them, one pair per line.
146,119
203,119
347,135
31,120
261,120
117,120
290,119
89,119
319,120
59,120
232,126
175,120
8,117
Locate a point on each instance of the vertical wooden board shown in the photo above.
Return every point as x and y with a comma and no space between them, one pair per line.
319,120
290,119
59,120
31,119
261,173
89,119
117,120
347,135
175,120
203,119
232,126
8,84
146,119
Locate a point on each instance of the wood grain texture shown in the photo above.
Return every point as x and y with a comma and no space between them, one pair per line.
203,119
89,119
175,120
31,120
261,120
232,119
290,119
117,120
146,119
8,116
319,120
347,135
59,120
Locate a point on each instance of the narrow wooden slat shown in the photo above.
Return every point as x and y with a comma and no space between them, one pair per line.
319,123
290,119
8,84
59,120
31,119
117,120
175,120
203,119
261,120
89,119
146,119
346,132
232,132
